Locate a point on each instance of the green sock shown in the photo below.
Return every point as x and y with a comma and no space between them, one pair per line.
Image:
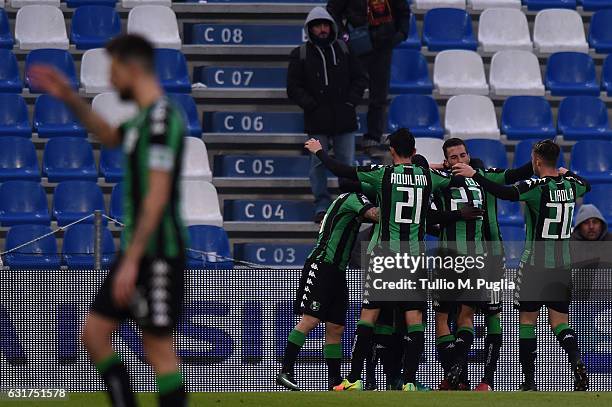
527,331
493,325
561,327
365,323
169,382
332,351
296,337
103,365
383,330
415,328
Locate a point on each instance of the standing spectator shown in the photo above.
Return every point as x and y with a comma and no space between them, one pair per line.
387,22
327,82
591,225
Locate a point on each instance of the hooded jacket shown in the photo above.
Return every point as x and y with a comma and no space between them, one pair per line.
328,83
586,212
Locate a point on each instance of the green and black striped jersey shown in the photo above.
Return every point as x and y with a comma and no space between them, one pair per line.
153,140
550,209
339,229
491,230
403,194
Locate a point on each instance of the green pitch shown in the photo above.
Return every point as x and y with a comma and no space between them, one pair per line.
352,399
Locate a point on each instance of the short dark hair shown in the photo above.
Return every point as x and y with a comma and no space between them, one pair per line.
402,142
548,151
132,48
452,142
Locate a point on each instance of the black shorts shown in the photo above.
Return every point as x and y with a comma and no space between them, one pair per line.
402,306
445,307
323,293
158,297
523,279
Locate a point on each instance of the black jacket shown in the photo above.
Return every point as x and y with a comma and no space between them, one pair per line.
355,12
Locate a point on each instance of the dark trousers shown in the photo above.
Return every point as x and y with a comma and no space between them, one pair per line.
378,66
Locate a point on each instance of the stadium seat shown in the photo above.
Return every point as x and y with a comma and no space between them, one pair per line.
23,3
471,116
200,204
419,113
600,31
431,4
502,29
6,38
409,73
116,204
23,202
459,72
514,243
186,102
414,40
593,160
40,26
526,117
506,80
606,76
559,30
448,28
431,149
78,248
214,242
58,58
571,73
40,254
10,79
112,109
240,77
52,118
549,4
95,71
136,3
18,159
600,197
171,68
593,5
286,255
487,4
74,200
254,122
491,152
522,153
111,164
261,166
156,23
583,118
195,160
14,116
267,210
509,213
93,26
69,158
79,3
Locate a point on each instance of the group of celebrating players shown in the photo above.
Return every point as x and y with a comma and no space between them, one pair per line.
457,199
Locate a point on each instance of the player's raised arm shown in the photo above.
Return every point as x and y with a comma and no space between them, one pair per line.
336,167
509,193
55,83
585,184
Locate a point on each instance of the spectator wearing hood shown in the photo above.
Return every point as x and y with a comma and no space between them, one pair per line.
327,82
591,225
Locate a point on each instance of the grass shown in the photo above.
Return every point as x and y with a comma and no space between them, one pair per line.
352,399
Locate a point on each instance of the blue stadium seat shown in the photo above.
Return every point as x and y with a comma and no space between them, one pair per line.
244,34
419,113
171,68
544,4
253,122
600,31
491,152
232,77
14,116
514,243
79,245
273,254
74,200
60,59
69,158
52,118
414,40
522,153
79,3
448,28
600,197
6,37
571,73
18,160
116,204
583,118
606,75
188,105
261,166
593,5
267,210
41,254
509,213
593,160
525,117
23,202
409,73
10,79
212,240
111,164
93,25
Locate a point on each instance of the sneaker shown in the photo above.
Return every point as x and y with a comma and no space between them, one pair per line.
370,385
454,377
581,379
287,380
483,387
421,387
395,384
444,385
332,382
409,387
528,386
318,217
348,386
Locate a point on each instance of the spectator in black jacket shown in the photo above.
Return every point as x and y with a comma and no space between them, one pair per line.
327,82
387,21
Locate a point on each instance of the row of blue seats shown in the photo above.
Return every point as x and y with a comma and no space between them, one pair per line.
170,65
52,118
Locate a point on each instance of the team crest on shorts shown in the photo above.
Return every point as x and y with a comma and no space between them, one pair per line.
315,306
